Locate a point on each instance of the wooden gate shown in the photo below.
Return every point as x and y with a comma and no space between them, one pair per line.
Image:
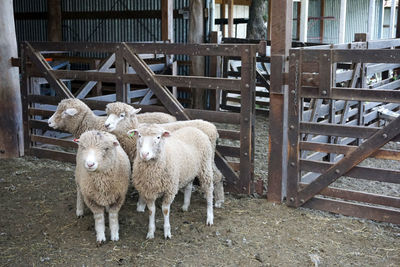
334,124
123,65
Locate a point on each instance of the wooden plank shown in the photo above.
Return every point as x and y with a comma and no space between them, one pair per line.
361,196
54,24
345,149
337,130
353,209
367,55
53,141
167,20
229,151
229,134
120,69
354,94
39,61
52,154
247,120
377,140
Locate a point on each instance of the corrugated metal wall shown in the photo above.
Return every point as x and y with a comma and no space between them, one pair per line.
100,30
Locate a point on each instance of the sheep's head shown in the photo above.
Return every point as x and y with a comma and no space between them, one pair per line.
97,150
68,110
119,113
150,140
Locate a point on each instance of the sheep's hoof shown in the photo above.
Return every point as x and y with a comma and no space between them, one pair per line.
150,235
115,238
79,213
167,233
210,222
140,208
218,204
185,208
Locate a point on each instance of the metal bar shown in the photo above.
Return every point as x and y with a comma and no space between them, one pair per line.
380,138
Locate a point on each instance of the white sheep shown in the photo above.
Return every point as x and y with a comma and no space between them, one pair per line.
102,178
123,117
166,162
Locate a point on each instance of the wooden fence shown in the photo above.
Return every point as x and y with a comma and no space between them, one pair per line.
336,94
125,68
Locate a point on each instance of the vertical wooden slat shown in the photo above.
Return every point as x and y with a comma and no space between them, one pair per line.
281,39
215,71
230,18
24,98
54,23
293,122
247,112
167,26
120,69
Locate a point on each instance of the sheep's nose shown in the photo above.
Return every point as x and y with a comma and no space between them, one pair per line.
90,164
107,125
145,154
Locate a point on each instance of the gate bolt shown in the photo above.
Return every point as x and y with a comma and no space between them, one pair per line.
324,92
384,136
293,91
301,201
291,199
292,127
292,164
337,171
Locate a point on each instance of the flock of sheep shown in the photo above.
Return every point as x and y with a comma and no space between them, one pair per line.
159,154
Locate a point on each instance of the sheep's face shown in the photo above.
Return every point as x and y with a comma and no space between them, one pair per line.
117,114
97,150
67,109
150,142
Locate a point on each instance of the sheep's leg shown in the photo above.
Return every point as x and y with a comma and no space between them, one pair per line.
141,204
98,215
187,195
166,209
79,203
210,211
218,187
113,218
152,213
99,225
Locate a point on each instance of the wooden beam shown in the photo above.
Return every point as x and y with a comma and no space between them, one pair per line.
230,18
54,23
281,39
371,19
167,20
11,135
321,22
392,18
304,20
398,21
342,21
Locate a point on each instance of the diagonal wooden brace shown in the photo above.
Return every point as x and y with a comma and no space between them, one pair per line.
170,102
39,61
370,146
87,86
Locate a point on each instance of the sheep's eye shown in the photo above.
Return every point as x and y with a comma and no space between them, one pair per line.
106,149
158,137
122,115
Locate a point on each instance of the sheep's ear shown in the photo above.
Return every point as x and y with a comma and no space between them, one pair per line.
71,111
166,134
135,111
76,140
115,143
133,132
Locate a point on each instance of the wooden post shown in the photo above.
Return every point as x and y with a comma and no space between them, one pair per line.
398,21
321,24
230,18
303,20
342,21
371,19
269,21
54,24
167,20
392,17
281,39
222,16
196,36
215,71
11,135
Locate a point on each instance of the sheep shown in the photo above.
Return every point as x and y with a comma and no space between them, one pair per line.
102,177
122,117
166,162
75,117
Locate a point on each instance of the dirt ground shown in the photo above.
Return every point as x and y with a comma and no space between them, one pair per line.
38,227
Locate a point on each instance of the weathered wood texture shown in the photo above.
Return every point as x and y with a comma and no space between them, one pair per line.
11,136
334,124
